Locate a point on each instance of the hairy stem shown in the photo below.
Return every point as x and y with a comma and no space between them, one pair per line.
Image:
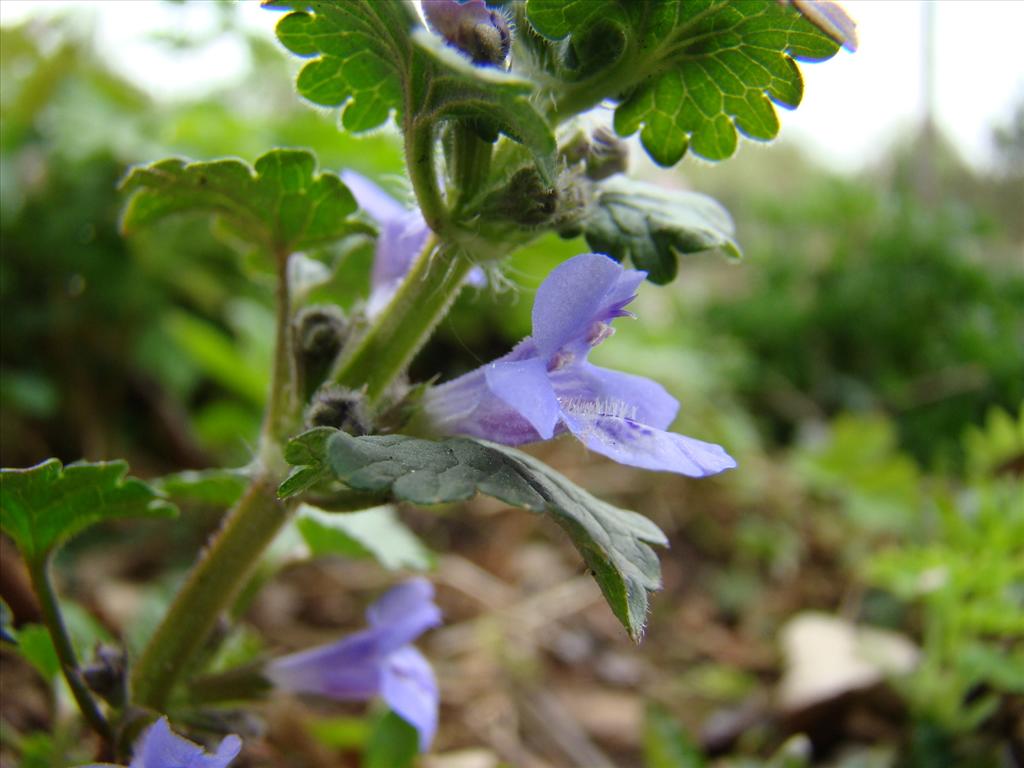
224,568
471,163
211,587
419,160
282,400
405,324
39,571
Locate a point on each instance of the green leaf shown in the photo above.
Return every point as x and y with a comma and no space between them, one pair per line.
216,487
685,74
307,453
376,533
652,226
281,205
36,647
393,743
43,506
219,355
615,543
373,59
666,744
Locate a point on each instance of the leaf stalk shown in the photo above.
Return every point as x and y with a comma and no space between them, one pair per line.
39,572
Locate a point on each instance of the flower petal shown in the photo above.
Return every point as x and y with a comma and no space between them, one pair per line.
646,401
349,670
468,406
583,290
377,203
400,241
159,747
525,386
629,442
405,612
410,689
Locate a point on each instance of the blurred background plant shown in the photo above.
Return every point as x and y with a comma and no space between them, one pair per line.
865,365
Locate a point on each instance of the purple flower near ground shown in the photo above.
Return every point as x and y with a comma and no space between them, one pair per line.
402,235
379,661
160,747
545,386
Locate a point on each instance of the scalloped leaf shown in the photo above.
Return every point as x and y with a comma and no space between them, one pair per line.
653,226
281,204
615,543
373,59
687,75
43,506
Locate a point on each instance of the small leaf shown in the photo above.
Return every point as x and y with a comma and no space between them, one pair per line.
36,647
216,487
653,226
307,453
280,205
685,74
393,743
615,543
666,744
376,533
43,506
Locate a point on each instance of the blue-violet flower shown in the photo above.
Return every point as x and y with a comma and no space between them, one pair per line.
545,386
402,235
379,661
160,747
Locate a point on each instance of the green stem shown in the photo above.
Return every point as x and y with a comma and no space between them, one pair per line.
39,571
245,683
212,586
471,161
405,324
281,403
419,160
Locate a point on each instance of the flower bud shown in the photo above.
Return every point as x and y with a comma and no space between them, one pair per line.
320,333
608,155
340,408
476,30
106,675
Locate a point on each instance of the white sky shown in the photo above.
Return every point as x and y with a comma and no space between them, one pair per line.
853,105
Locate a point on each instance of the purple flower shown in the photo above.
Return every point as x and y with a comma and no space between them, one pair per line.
379,661
472,27
402,235
160,747
545,386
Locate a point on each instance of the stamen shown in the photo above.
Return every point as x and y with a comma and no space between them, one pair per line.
560,360
599,331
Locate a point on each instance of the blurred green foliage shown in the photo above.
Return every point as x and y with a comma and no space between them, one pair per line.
870,299
155,347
